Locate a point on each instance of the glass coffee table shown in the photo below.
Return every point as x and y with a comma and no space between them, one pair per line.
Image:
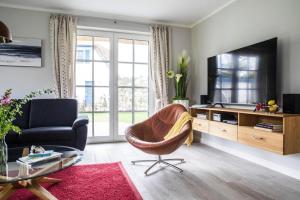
17,178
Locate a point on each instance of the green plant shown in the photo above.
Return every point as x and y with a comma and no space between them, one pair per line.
181,77
11,108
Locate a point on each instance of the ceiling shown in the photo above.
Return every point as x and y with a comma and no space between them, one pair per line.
174,12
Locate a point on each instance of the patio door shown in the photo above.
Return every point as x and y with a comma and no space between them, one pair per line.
112,86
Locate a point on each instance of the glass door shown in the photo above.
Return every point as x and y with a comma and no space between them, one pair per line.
112,86
93,83
132,61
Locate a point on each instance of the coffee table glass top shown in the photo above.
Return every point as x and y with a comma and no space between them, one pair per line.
14,172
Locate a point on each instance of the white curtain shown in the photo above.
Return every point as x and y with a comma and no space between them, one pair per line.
63,31
159,62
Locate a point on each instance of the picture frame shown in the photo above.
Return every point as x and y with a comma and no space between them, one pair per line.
22,52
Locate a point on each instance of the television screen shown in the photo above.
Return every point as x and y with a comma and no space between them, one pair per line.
243,76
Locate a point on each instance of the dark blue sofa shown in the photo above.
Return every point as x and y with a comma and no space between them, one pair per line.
50,122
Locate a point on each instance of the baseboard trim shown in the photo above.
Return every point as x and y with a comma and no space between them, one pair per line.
265,163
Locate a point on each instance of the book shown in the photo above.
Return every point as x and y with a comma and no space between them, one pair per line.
271,126
267,129
44,154
268,126
35,160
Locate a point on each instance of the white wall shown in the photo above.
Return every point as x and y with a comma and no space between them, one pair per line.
22,80
108,23
34,24
243,23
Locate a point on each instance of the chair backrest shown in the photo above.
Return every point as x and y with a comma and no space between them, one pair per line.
163,120
52,112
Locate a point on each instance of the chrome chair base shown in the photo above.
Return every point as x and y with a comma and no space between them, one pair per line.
158,161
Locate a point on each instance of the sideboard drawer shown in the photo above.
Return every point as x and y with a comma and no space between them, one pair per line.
200,125
223,130
262,139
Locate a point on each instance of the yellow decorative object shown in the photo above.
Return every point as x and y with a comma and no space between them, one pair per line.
273,108
271,102
175,130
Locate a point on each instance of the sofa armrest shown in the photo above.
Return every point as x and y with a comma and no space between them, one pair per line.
80,121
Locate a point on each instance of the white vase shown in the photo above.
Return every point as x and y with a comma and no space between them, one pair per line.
184,102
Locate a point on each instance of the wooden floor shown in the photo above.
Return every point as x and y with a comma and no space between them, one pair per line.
208,174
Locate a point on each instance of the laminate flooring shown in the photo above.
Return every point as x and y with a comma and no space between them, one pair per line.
209,174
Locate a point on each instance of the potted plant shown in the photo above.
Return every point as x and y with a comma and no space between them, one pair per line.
9,110
181,79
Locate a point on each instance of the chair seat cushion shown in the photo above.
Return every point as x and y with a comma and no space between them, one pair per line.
47,134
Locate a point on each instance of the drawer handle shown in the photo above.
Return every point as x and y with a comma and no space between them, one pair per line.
257,138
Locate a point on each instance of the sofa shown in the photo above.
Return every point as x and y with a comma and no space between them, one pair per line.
50,122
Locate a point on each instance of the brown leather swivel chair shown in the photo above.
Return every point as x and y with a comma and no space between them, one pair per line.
148,136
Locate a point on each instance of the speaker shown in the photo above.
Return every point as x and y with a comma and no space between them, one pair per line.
291,103
203,99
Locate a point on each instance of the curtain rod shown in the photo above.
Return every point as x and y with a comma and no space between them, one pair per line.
113,30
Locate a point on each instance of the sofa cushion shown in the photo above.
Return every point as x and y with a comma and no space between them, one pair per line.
52,112
47,134
22,121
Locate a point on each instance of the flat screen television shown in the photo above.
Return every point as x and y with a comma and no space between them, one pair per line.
243,76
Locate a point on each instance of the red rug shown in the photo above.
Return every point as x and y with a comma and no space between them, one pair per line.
89,182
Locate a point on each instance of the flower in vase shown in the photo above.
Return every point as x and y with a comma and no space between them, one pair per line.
181,78
177,77
183,60
5,102
170,74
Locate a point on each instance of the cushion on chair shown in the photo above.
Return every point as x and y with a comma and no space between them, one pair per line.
47,134
52,112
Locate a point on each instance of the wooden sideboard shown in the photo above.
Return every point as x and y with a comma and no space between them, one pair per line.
285,142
